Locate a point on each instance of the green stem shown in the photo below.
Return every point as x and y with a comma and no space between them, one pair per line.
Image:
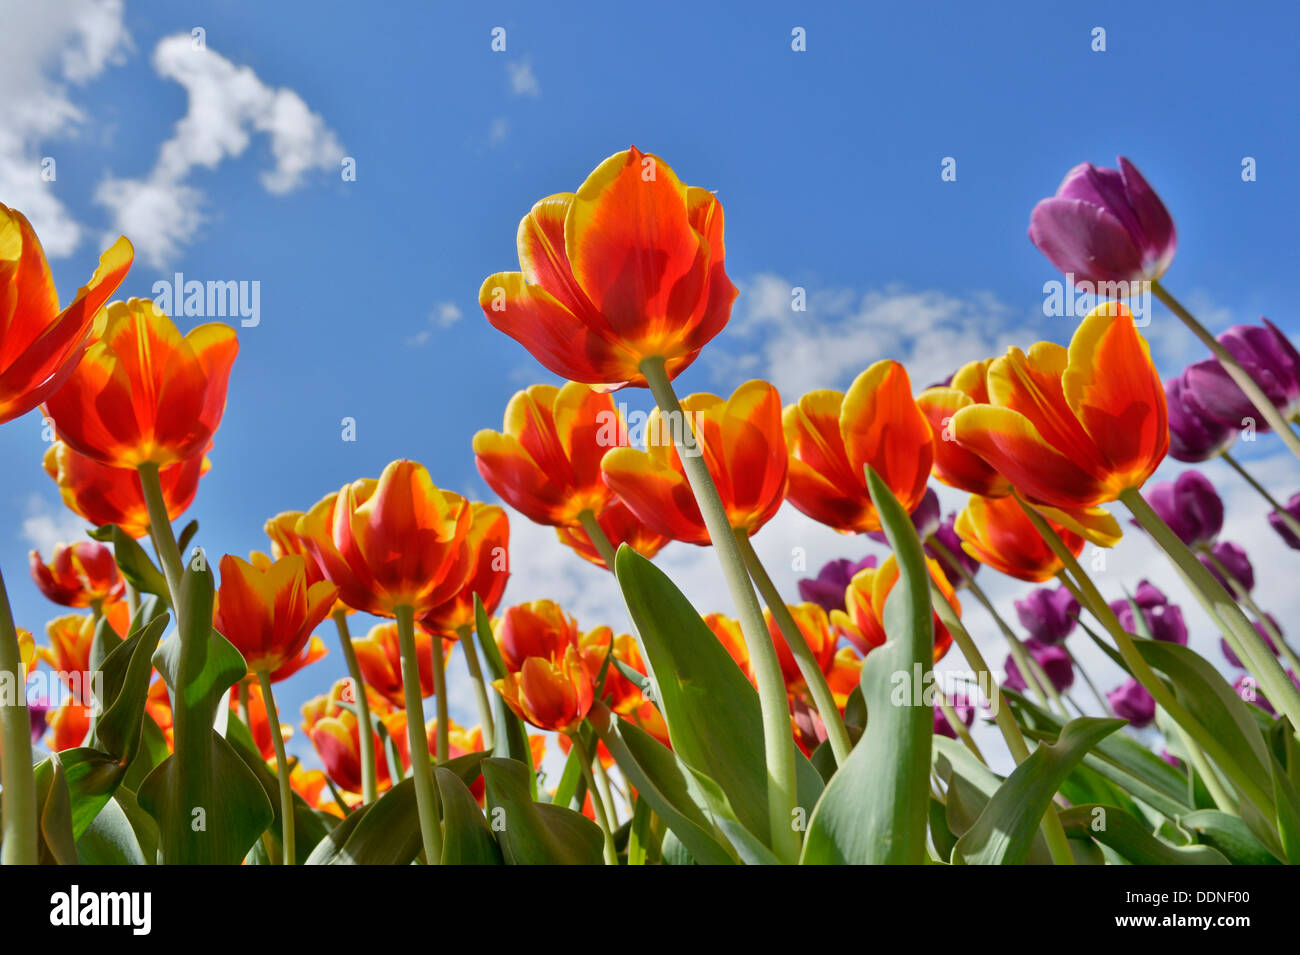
288,854
160,528
18,844
778,737
466,635
1222,798
443,740
369,770
596,534
1243,597
1248,385
132,599
418,743
1283,514
823,699
597,801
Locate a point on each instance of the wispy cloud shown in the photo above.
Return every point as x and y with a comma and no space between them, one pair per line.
523,81
44,525
443,315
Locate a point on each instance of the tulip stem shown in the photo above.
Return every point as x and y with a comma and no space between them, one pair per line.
417,738
18,838
443,739
778,738
1057,843
596,534
132,599
1238,374
160,528
288,855
1090,597
369,771
1283,514
1243,596
1220,606
823,699
597,801
466,634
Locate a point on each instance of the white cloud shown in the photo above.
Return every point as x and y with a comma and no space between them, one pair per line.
45,526
443,315
523,81
227,105
46,50
498,131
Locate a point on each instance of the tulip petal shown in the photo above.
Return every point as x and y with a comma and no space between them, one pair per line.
1083,239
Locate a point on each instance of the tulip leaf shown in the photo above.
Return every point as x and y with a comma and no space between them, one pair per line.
532,833
386,832
91,778
135,564
126,673
875,807
1228,834
1288,813
186,535
466,840
209,806
57,845
1120,831
110,839
1004,831
712,710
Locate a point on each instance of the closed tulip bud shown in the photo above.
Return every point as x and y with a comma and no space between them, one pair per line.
997,532
1279,525
1130,701
1235,561
550,693
1054,660
538,628
1160,619
1193,435
1190,506
1268,357
1049,614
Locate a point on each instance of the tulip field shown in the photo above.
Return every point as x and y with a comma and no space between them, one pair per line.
146,722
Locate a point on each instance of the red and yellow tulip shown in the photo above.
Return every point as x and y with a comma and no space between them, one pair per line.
954,465
486,550
79,575
539,628
380,661
863,624
621,526
815,626
997,533
336,737
727,630
282,532
551,693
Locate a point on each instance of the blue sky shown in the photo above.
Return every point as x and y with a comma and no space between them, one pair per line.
827,163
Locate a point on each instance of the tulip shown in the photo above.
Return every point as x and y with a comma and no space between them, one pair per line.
845,675
1052,660
954,465
38,712
630,267
105,495
926,518
41,346
380,660
1130,701
486,551
863,623
815,626
158,705
1048,614
1280,524
742,443
1073,428
728,632
1190,506
832,437
1161,619
335,734
827,588
620,526
69,724
68,654
1248,690
1193,435
1229,564
1270,360
258,721
965,713
545,463
310,785
997,532
83,574
538,628
282,532
1105,225
550,693
144,394
618,692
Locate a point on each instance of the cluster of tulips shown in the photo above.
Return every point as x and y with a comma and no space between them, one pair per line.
813,732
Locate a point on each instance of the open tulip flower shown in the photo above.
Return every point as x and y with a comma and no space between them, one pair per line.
618,692
629,267
1072,428
381,665
815,626
545,463
620,526
551,693
282,532
335,734
832,437
267,610
996,532
954,465
743,445
485,549
539,628
41,345
79,575
68,654
145,394
862,624
727,630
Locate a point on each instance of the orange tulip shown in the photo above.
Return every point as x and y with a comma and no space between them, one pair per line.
282,531
996,532
619,693
538,628
486,549
68,654
336,736
40,346
381,662
954,465
267,610
629,267
26,647
158,704
815,626
545,463
551,693
621,526
390,543
833,437
742,443
69,725
727,630
310,784
79,575
104,495
460,742
863,624
845,675
144,393
1073,428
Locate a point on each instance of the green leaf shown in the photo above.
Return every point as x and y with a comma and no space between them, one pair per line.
467,840
110,839
1005,829
91,778
1288,813
1230,835
135,564
532,833
1131,839
186,535
875,808
127,672
386,832
57,844
209,806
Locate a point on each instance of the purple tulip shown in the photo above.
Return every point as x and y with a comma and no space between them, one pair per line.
1233,557
1193,435
1105,225
827,588
1048,614
1279,525
1054,661
946,535
1266,355
1171,759
38,713
1132,702
1263,634
964,710
925,518
1163,620
1248,690
1190,506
